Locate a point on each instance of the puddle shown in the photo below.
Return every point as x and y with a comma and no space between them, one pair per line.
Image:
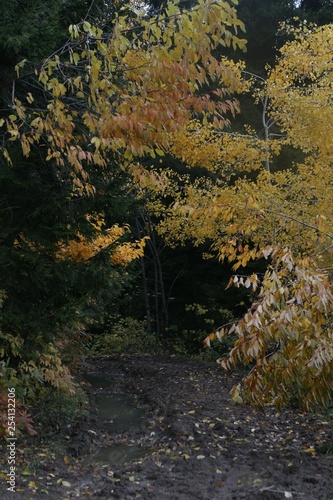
118,454
118,413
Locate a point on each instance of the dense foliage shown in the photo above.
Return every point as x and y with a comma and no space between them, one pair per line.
120,135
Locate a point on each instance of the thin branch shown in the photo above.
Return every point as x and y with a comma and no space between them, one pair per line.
286,216
13,93
257,77
271,488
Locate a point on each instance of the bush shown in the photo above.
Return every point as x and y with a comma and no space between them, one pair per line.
56,408
23,420
187,337
126,336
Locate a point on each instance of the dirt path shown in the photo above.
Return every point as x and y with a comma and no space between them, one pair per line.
199,445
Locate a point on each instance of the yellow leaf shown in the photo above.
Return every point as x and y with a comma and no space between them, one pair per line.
207,340
19,66
7,156
26,472
86,26
76,58
77,81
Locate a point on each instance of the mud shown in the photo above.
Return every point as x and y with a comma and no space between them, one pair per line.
193,443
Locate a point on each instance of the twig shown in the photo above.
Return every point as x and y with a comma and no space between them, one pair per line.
271,488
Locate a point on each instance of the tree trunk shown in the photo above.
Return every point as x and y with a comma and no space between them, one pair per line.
144,282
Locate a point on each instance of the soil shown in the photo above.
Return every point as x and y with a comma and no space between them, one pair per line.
195,443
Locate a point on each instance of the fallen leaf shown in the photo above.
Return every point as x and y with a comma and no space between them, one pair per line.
26,472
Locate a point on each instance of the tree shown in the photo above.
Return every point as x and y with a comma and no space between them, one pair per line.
319,12
26,28
132,119
72,135
262,21
48,292
283,217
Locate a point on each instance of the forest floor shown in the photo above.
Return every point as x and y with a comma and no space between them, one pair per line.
195,444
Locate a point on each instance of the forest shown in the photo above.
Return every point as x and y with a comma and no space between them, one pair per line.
166,193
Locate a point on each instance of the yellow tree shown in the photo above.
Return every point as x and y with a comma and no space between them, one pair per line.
126,91
283,217
96,107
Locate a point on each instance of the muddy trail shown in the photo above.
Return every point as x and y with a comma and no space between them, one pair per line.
175,435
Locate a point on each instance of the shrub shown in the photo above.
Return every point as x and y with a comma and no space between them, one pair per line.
126,336
56,408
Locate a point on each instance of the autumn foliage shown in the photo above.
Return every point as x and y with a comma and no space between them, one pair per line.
82,120
282,216
289,334
126,92
111,99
